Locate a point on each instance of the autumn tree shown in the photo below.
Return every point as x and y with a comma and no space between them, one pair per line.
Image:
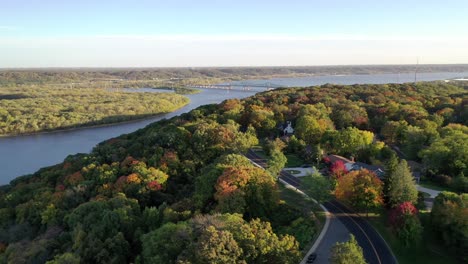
405,222
348,114
347,253
367,191
362,189
205,183
338,169
247,190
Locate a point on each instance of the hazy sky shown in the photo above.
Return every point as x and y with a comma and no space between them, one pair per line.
101,33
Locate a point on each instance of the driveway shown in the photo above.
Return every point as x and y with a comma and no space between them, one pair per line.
431,192
302,171
429,201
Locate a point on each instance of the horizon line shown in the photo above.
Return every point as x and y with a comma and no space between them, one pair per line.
232,66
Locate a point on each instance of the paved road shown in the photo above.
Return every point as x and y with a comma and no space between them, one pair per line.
336,232
374,246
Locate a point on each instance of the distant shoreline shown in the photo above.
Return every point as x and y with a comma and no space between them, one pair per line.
91,126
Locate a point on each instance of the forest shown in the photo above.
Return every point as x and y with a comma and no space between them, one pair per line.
25,109
181,190
154,77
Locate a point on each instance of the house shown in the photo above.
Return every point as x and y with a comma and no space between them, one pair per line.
350,165
287,128
379,171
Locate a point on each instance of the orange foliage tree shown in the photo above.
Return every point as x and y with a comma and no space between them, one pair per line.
361,189
247,190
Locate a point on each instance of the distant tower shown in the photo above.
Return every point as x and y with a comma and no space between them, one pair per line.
416,69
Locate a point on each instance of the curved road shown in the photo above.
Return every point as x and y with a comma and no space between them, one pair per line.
374,246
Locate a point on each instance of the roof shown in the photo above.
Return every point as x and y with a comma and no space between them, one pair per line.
335,158
379,171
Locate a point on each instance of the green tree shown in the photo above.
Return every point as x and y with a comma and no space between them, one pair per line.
390,166
216,246
447,155
347,253
276,163
401,185
100,229
317,186
66,258
308,129
349,141
165,244
449,218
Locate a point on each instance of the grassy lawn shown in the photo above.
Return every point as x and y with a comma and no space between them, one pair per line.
434,186
293,161
428,251
259,151
307,206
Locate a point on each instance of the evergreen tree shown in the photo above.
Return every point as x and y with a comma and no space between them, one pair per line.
390,167
401,186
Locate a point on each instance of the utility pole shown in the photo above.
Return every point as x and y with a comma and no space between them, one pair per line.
416,69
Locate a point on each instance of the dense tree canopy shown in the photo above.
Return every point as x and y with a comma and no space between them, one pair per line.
29,110
449,217
181,190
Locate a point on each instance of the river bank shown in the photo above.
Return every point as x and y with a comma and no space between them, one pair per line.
26,154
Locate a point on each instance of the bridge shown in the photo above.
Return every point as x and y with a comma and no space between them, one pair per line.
239,86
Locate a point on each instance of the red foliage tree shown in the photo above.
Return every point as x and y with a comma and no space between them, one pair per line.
405,222
397,215
338,169
154,186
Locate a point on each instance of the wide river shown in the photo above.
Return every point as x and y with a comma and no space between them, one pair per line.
26,154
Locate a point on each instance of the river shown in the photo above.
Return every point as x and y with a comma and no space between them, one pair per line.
26,154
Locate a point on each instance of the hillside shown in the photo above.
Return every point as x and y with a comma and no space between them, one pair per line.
180,190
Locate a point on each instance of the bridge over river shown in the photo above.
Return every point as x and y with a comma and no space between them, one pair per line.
240,86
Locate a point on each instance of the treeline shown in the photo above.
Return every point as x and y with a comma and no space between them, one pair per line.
180,190
201,75
29,110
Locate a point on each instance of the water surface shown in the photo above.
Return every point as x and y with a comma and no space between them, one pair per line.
26,154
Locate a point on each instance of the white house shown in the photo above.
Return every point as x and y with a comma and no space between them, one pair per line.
288,130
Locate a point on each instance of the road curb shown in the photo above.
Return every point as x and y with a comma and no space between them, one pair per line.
325,226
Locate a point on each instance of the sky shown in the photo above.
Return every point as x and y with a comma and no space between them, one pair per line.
181,33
